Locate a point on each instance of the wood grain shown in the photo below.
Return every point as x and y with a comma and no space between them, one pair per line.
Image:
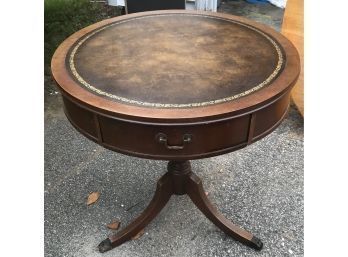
214,129
72,89
292,28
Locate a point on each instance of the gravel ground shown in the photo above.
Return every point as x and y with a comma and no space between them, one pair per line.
259,187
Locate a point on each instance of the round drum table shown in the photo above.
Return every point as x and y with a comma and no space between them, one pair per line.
176,85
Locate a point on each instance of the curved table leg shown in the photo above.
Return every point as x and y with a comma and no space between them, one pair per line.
162,195
196,192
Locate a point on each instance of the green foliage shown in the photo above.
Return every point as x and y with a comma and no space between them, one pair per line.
64,17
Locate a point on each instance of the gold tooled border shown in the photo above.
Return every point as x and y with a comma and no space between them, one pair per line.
163,105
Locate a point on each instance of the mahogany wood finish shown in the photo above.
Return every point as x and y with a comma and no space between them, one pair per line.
176,85
293,29
180,180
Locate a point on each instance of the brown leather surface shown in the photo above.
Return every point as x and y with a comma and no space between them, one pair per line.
175,54
174,59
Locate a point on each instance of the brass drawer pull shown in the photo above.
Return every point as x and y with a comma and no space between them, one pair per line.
162,138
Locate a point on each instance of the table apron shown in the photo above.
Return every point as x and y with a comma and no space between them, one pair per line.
176,141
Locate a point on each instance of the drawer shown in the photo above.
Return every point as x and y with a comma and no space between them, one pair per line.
173,141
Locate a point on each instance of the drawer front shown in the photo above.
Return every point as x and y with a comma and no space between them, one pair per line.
173,142
81,118
269,117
